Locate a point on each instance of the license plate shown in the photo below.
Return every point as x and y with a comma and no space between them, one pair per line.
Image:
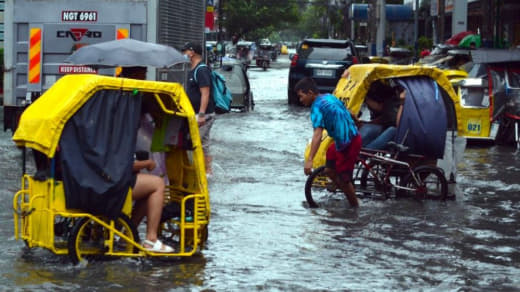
323,73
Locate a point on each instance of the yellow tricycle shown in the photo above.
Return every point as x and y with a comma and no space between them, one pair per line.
77,199
427,138
490,97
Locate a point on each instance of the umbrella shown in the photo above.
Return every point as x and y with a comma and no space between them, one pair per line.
467,40
126,53
455,39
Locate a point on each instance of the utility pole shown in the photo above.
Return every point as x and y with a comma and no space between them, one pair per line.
346,22
221,50
219,35
434,12
441,20
381,27
371,27
328,20
416,27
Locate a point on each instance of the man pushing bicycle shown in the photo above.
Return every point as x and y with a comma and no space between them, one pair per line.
329,113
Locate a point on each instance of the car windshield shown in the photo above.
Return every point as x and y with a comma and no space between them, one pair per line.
325,53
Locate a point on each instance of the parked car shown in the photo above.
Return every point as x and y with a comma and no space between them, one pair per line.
322,59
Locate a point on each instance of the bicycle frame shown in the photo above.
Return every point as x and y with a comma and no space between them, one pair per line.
390,163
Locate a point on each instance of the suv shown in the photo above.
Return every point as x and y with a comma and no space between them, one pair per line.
322,59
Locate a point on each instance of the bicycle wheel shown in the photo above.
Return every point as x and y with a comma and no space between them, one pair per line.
432,183
318,186
87,239
370,183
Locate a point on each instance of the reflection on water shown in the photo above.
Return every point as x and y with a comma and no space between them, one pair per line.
41,270
262,236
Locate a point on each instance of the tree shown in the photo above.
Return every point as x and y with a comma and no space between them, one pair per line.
313,22
255,19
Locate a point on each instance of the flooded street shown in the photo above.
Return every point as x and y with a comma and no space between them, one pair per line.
262,235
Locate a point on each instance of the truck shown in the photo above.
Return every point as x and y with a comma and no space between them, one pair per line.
41,34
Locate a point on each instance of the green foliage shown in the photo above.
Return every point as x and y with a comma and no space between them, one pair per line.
424,43
321,19
312,22
255,19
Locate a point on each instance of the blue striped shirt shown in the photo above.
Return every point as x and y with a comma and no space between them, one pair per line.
329,113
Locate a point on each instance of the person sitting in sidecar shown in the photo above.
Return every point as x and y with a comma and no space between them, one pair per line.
148,189
148,194
385,114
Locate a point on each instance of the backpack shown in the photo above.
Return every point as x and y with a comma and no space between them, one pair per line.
221,94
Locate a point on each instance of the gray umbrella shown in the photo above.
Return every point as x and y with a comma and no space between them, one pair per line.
126,53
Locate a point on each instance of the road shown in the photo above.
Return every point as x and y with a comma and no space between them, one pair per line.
262,235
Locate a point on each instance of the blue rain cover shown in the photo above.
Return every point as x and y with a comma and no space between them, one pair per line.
424,117
97,149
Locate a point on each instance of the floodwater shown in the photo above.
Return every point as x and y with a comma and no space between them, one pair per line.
262,236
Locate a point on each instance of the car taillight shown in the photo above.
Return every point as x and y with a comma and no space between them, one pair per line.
294,60
355,60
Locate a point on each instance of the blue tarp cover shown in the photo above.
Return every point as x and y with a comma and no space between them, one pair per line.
97,149
424,117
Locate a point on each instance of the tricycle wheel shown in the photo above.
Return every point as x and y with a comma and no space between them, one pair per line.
251,102
432,183
88,238
318,186
248,102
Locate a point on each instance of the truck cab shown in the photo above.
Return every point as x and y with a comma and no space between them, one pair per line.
40,35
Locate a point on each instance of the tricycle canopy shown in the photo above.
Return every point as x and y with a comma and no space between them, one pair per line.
353,89
43,121
88,126
431,110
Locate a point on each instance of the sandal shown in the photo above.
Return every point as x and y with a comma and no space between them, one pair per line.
156,246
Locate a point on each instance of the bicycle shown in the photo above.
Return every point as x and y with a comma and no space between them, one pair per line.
384,172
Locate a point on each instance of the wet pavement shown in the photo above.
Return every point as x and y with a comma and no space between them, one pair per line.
262,235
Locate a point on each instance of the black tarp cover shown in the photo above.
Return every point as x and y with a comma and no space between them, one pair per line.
97,152
424,117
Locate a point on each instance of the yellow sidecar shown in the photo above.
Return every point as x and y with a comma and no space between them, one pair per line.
82,133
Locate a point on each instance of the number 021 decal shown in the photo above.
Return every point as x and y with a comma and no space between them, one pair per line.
473,126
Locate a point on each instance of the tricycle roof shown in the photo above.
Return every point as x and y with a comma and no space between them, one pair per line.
353,89
42,122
